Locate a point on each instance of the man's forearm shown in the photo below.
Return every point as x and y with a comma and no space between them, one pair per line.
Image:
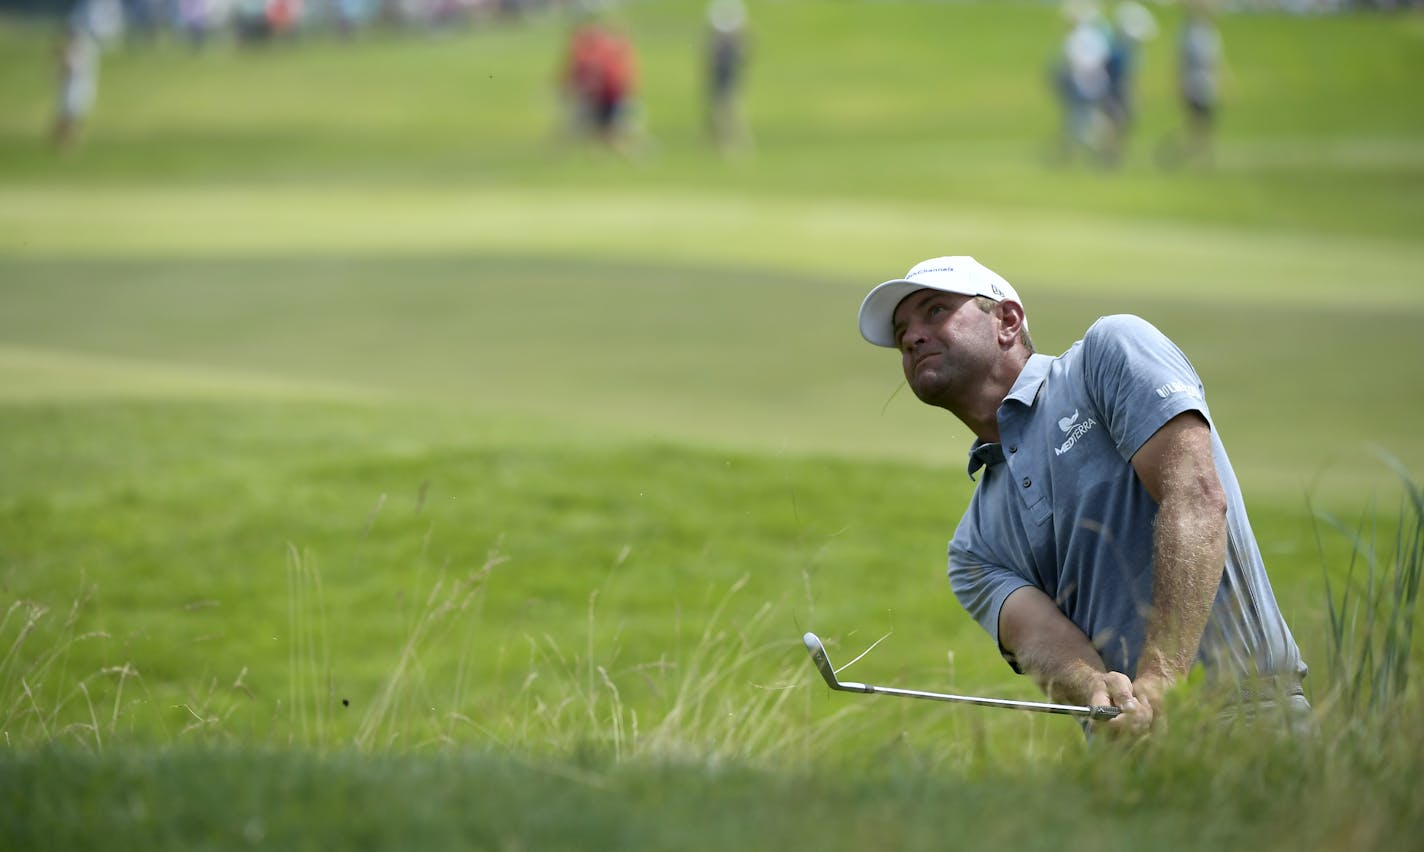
1049,648
1189,554
1062,659
1066,672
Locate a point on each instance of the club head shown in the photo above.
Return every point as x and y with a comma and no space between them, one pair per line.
823,663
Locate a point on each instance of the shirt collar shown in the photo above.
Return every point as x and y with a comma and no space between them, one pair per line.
1024,392
984,454
1031,378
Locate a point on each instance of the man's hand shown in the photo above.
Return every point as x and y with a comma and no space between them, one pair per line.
1052,650
1152,690
1137,715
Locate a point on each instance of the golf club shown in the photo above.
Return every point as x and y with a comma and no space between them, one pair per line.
823,663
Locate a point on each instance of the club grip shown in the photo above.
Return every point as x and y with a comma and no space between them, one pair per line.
1100,712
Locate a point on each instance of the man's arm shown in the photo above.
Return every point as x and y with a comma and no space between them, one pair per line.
1188,549
1189,553
1062,660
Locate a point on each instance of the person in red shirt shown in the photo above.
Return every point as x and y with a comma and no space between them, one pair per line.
600,79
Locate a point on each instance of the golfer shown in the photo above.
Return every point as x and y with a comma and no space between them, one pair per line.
1106,547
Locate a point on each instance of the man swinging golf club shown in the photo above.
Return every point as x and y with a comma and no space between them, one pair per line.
1106,547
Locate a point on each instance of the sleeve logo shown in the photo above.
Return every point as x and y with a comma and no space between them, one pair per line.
1170,388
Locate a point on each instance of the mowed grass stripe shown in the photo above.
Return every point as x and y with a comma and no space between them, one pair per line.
850,242
32,373
712,356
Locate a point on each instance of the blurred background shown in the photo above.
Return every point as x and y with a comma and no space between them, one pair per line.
727,175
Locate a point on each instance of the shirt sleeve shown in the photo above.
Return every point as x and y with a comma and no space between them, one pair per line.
982,587
1138,380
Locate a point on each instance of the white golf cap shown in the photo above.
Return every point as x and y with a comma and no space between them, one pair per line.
958,274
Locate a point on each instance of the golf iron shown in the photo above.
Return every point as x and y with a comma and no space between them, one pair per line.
823,664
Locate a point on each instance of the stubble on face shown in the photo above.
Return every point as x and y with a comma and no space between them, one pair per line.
946,346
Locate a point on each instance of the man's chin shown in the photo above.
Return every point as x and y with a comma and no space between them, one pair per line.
926,391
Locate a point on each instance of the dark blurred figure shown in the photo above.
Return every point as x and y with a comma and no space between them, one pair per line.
1132,25
197,19
599,82
260,21
142,19
350,16
726,61
1199,70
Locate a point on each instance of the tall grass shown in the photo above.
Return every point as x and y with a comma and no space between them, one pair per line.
727,717
736,692
1371,623
448,606
39,697
734,696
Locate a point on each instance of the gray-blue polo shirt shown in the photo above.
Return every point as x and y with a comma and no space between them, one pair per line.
1059,506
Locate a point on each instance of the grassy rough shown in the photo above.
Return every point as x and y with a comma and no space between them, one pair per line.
1333,795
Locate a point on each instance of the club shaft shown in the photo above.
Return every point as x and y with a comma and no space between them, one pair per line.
1031,706
828,672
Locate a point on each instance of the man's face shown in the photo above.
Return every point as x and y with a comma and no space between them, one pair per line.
947,345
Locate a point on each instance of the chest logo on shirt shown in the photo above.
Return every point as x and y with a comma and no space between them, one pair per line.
1074,430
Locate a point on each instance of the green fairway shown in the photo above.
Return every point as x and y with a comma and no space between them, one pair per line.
358,434
722,355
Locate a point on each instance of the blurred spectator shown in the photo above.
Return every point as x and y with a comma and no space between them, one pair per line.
726,58
78,83
349,16
142,18
249,21
1131,26
258,21
283,15
1080,79
198,19
580,75
599,82
1199,69
87,26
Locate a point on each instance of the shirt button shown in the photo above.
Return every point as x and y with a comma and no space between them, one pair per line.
1013,448
1027,482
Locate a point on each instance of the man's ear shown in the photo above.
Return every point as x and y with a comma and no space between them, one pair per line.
1011,323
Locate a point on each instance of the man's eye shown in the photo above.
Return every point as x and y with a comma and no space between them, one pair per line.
934,309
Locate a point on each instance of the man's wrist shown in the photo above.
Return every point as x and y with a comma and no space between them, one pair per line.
1086,681
1156,665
